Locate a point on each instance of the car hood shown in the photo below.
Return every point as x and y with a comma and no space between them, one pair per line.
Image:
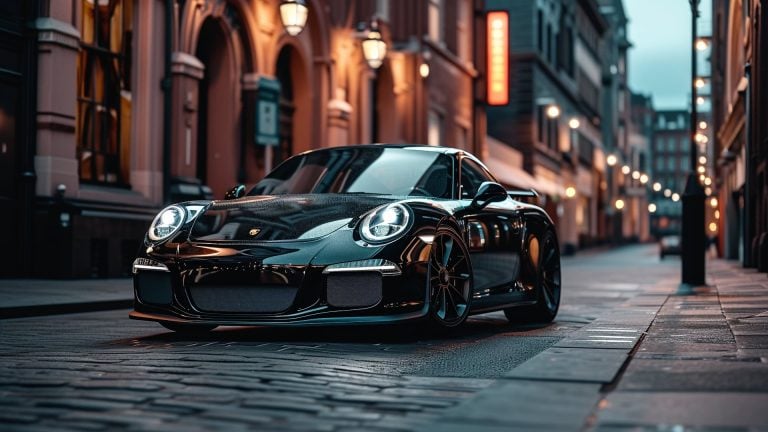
281,217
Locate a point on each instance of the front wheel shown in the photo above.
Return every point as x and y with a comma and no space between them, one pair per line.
449,279
545,263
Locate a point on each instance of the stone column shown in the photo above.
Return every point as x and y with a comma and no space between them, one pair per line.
147,100
187,72
339,111
56,159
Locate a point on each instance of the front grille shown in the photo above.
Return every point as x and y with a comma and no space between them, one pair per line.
243,298
354,289
153,287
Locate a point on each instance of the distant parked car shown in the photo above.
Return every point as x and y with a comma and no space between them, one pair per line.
669,245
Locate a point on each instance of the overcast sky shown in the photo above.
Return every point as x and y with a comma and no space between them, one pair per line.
660,60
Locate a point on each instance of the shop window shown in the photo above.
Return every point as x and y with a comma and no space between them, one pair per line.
548,129
104,92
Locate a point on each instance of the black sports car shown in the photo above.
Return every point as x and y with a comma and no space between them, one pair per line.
352,235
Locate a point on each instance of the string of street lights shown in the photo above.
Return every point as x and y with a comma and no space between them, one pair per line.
553,111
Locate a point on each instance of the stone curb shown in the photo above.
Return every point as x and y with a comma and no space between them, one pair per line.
64,308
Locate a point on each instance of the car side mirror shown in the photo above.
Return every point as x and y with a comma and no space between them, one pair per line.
235,193
488,192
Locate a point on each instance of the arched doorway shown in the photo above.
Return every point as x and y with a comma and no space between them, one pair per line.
218,120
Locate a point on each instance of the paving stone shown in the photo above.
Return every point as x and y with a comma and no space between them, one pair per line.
624,345
518,403
284,405
83,404
572,364
695,375
751,342
16,417
713,410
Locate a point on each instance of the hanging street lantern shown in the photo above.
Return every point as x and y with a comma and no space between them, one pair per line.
374,47
293,14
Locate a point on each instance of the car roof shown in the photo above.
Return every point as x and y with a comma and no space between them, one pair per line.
420,147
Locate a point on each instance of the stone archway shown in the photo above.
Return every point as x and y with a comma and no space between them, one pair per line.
218,120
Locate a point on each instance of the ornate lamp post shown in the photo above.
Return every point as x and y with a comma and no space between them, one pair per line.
693,242
293,14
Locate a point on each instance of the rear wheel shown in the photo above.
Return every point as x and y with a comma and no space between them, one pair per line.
545,263
450,279
188,329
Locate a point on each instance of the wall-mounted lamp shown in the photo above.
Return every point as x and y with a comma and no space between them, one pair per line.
293,14
553,111
374,47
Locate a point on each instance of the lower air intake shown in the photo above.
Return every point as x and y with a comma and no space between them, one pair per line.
153,287
243,298
353,289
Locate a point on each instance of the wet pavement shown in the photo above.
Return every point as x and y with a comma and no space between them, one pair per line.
625,353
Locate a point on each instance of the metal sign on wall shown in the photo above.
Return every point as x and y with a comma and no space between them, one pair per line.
267,112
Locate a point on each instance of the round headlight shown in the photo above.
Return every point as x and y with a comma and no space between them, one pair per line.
384,223
166,223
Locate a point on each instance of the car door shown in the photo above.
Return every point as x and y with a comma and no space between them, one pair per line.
493,236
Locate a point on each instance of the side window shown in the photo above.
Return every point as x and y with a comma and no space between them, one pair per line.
472,176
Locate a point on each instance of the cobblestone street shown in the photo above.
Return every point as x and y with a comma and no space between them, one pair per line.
100,370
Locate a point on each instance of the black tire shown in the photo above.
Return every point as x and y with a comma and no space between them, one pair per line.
189,329
547,283
449,279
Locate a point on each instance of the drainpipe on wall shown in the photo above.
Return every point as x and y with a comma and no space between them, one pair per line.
166,86
28,175
749,176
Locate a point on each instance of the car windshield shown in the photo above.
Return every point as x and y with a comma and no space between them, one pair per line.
372,170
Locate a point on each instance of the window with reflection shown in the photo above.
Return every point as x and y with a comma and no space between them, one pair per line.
472,176
362,170
104,92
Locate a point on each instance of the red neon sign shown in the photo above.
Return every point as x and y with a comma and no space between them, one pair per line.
497,24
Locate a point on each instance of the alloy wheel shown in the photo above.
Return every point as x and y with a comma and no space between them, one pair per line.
550,274
450,279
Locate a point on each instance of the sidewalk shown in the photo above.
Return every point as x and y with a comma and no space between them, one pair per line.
34,297
657,362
